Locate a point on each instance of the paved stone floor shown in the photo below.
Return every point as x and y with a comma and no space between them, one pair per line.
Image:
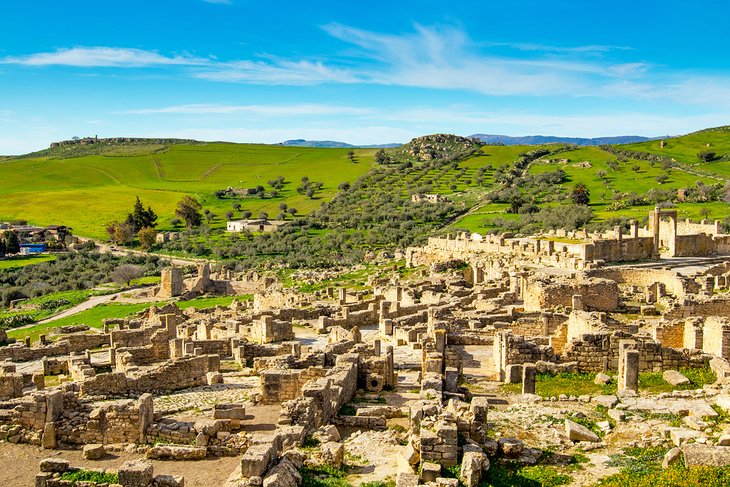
205,397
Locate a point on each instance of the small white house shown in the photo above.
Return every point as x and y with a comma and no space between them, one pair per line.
260,225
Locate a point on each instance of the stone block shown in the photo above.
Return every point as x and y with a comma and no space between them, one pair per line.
675,378
93,451
333,454
577,432
54,465
430,471
135,473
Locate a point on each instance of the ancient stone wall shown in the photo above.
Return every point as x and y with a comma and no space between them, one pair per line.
73,343
542,293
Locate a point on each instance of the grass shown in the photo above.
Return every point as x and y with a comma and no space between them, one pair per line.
24,260
323,476
87,191
508,475
654,383
641,467
569,383
95,316
90,476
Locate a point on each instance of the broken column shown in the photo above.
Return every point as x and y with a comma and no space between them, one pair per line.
529,374
629,377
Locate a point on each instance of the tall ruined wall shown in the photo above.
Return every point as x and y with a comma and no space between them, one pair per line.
627,249
544,293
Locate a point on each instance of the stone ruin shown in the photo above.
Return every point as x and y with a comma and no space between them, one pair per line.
497,310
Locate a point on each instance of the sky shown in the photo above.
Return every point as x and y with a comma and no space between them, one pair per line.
360,72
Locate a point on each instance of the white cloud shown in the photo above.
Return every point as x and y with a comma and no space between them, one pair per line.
277,72
103,57
265,110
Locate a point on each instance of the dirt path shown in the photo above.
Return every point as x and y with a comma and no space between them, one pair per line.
19,465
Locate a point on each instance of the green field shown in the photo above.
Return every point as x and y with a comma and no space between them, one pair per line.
95,316
637,176
685,149
87,192
22,261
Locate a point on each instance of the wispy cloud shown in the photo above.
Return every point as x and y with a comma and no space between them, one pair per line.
265,110
279,72
103,57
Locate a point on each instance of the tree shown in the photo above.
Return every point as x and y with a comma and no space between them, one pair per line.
292,211
141,218
706,156
2,247
246,214
175,221
381,157
263,215
580,194
236,206
351,155
229,215
120,233
12,243
661,178
125,273
147,237
310,192
283,206
705,212
188,209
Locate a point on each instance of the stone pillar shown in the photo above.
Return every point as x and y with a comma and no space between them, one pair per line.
384,309
619,231
146,415
629,380
623,345
27,342
654,219
342,295
390,378
39,381
634,228
356,335
440,340
376,347
672,244
550,247
529,374
545,321
513,374
577,302
386,327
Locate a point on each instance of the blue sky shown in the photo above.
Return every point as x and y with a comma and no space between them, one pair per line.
359,72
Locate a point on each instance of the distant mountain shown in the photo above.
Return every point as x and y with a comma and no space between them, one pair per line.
332,144
544,139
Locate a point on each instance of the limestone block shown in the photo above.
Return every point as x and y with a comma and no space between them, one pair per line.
472,465
671,457
577,432
713,456
608,401
511,447
54,465
602,379
675,378
333,454
177,452
405,479
680,436
430,471
169,481
284,474
135,473
93,451
513,374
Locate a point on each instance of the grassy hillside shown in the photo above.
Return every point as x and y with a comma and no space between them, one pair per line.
87,191
615,186
685,149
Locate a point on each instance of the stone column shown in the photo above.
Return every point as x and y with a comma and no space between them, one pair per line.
629,379
390,378
342,295
529,374
634,228
654,219
577,302
376,347
440,340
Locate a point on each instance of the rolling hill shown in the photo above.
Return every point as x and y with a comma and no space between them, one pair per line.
94,187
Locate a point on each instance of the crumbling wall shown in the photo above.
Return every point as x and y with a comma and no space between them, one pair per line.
542,293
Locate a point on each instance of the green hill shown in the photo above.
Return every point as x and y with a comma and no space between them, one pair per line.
684,149
488,189
94,184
